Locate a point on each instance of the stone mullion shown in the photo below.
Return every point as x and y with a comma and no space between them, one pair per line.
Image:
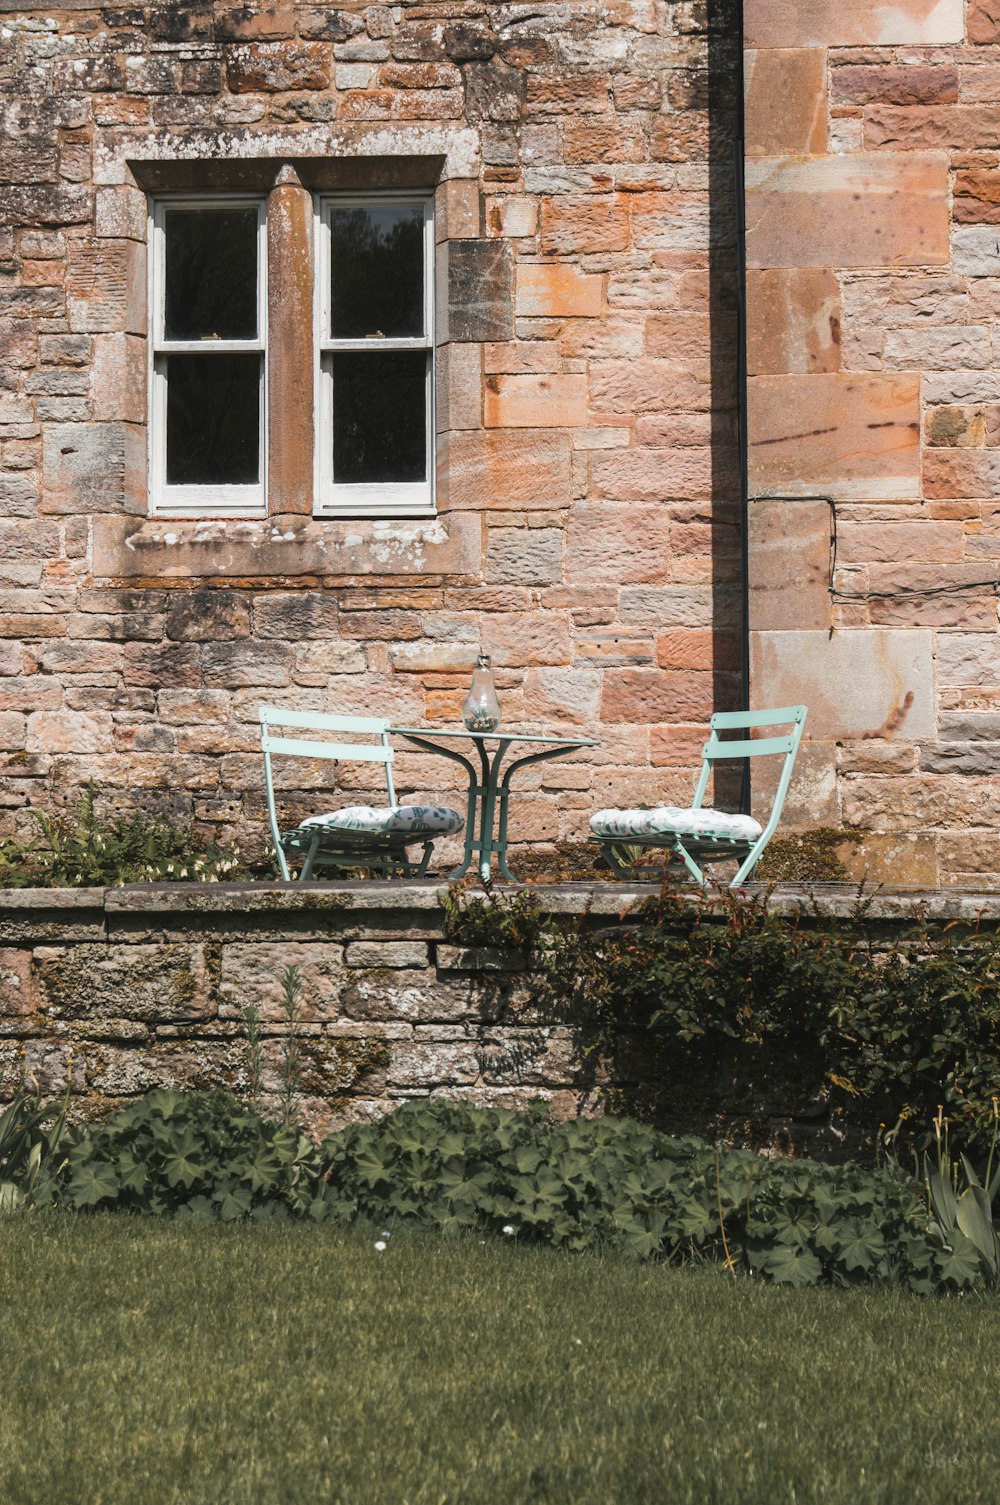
290,283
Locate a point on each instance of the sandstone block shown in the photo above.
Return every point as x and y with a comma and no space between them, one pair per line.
578,224
938,349
984,21
478,290
536,401
793,321
976,252
168,666
524,556
916,128
458,390
526,639
93,467
961,472
456,209
425,1065
521,357
627,544
786,103
677,746
252,973
622,387
151,983
274,67
391,954
556,696
910,84
647,474
514,215
967,658
621,648
853,435
297,617
789,565
614,140
547,290
433,658
502,469
861,210
883,543
855,683
853,23
652,695
68,732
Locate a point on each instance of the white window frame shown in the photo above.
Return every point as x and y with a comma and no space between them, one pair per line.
246,501
381,499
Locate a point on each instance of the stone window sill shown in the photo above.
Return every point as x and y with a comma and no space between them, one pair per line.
129,548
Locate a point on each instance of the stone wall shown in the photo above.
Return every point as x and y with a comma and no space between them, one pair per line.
873,186
114,992
122,990
588,521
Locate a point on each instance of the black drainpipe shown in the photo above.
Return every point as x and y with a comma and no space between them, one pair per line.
741,400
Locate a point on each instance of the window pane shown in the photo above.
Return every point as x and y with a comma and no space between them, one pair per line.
379,417
377,258
211,274
213,420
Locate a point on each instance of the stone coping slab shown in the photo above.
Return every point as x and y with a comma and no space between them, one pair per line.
604,900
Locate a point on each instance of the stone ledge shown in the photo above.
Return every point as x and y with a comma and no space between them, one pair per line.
129,548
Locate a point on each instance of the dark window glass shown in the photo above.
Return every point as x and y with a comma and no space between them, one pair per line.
211,274
379,417
377,257
213,420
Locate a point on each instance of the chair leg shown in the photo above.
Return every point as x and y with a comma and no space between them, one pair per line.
748,864
692,867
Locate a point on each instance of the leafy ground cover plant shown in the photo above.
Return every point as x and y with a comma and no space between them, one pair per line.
192,1154
583,1185
82,849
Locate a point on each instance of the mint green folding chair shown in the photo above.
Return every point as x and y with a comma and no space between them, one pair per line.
695,833
361,838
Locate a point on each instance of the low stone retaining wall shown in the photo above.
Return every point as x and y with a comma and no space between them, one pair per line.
117,991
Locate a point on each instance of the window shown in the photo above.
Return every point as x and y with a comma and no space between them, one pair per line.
370,361
208,282
375,319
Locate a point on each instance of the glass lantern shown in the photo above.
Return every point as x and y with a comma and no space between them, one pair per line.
481,708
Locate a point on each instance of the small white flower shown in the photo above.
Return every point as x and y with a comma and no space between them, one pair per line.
508,1229
385,1233
380,1245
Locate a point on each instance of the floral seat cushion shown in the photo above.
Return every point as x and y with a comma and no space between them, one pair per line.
390,820
673,820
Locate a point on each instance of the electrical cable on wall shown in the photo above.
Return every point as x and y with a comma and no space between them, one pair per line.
903,592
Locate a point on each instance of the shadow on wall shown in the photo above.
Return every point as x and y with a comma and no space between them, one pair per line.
724,85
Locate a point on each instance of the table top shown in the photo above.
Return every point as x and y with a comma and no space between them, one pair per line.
497,736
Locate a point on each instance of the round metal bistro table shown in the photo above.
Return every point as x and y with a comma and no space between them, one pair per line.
487,790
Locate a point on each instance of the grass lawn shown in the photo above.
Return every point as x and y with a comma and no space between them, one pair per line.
147,1363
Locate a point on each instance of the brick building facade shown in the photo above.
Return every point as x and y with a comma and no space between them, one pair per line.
579,514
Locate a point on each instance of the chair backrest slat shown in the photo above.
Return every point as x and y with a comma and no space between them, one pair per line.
728,721
321,721
353,752
758,747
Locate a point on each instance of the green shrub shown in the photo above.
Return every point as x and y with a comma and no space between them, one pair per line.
80,849
881,1027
